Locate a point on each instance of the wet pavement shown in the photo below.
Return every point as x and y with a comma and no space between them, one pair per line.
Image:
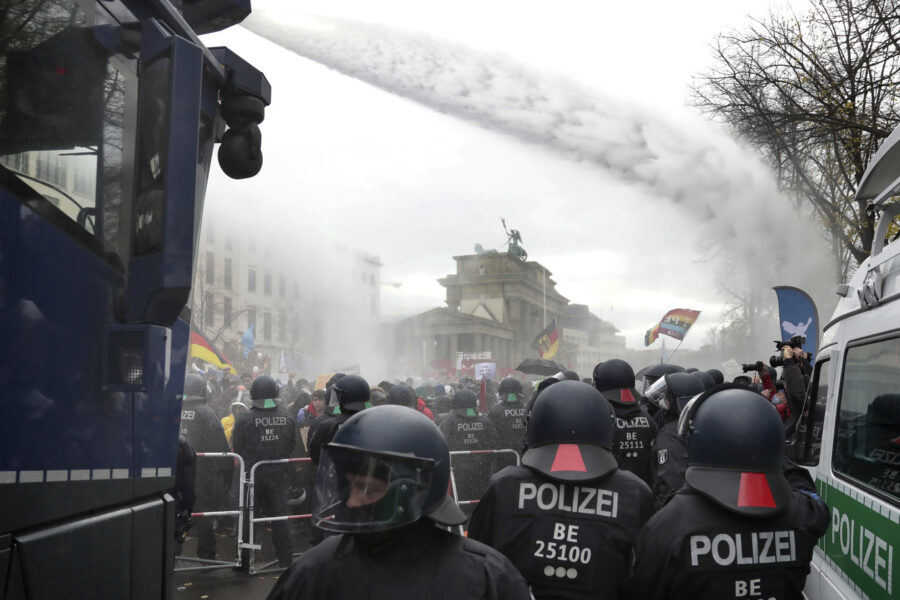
228,582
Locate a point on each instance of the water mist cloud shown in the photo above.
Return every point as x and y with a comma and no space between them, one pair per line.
686,160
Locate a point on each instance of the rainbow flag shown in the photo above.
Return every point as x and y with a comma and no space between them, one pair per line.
202,349
674,323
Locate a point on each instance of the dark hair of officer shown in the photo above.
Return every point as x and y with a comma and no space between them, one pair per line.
735,442
570,433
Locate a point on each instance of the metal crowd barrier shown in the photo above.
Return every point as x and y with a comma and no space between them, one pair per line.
208,564
250,484
455,493
251,504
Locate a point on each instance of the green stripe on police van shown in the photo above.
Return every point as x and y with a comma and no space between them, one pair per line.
862,543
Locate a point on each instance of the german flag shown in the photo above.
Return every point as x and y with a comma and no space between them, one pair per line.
202,349
547,341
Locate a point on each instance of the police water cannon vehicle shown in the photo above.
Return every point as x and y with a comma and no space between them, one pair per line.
849,435
109,114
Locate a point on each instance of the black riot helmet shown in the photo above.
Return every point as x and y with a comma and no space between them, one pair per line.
673,390
654,373
510,385
401,396
717,376
570,433
567,375
195,387
510,390
386,467
332,399
735,442
351,393
706,378
615,379
264,392
465,400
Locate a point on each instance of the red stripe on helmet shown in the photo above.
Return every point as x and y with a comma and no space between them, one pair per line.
626,396
568,458
755,491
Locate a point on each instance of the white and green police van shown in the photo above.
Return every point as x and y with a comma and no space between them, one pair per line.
850,436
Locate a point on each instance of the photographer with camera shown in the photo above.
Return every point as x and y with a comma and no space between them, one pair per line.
796,371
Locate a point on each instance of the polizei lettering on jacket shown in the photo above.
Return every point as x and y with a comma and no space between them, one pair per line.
754,548
270,421
570,498
470,426
640,422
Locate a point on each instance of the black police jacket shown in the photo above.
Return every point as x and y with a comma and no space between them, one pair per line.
416,561
671,463
265,434
795,384
468,433
508,419
471,472
322,431
693,548
634,442
203,430
569,540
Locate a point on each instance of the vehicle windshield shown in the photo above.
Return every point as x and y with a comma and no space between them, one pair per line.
62,118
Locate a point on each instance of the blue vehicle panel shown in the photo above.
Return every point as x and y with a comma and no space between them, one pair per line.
109,113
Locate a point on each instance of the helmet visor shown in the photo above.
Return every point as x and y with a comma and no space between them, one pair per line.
646,382
360,491
656,393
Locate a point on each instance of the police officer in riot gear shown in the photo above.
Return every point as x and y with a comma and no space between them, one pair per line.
349,395
746,522
635,439
654,373
568,517
382,485
706,378
268,431
465,429
717,375
202,429
330,409
508,415
671,394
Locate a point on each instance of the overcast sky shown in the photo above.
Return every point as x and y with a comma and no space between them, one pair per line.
415,186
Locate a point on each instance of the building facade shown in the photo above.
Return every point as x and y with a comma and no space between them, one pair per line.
496,306
303,310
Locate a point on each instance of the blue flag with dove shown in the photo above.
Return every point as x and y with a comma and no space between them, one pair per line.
797,315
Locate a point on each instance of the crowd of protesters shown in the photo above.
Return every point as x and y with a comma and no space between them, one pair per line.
569,500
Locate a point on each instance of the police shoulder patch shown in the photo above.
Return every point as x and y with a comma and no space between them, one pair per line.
662,456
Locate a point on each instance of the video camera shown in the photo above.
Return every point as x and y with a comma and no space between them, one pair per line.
777,360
